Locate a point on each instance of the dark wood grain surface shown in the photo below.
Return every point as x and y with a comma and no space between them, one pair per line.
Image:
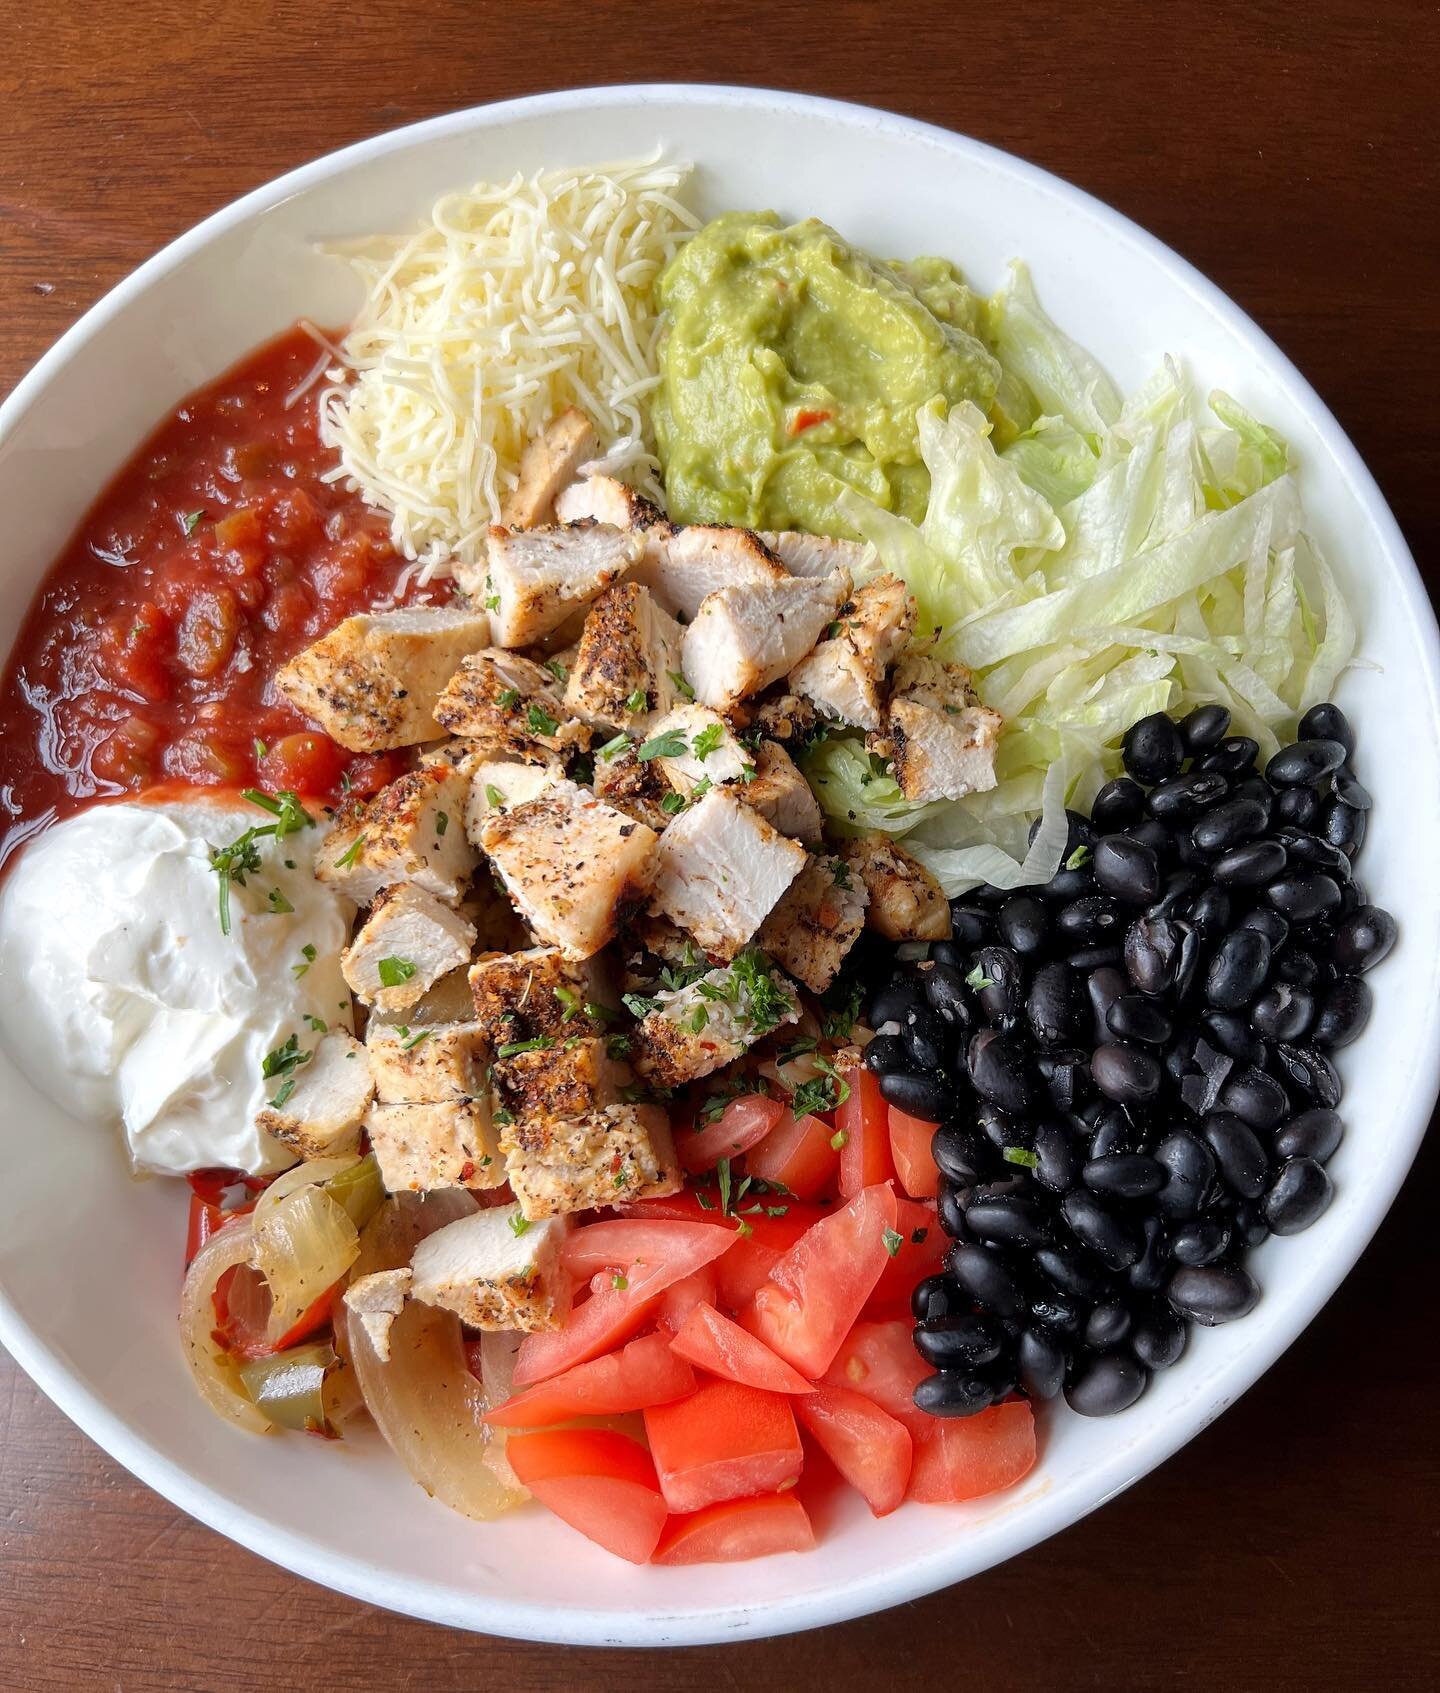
1288,150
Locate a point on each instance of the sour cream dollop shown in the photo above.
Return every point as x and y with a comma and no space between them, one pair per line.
124,1002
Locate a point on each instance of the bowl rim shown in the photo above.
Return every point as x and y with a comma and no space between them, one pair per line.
880,1589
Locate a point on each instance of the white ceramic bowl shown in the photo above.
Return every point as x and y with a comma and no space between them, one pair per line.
89,1262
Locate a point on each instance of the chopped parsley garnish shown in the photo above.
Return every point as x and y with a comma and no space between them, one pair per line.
278,903
682,687
716,1104
704,1201
442,822
639,700
284,807
507,697
1080,856
503,1117
707,740
317,1024
351,853
821,1093
837,1140
513,1049
613,748
617,1046
284,1061
977,979
569,1003
840,870
395,972
519,1224
701,788
493,796
409,1042
540,721
192,520
308,956
767,1004
722,1175
600,1013
799,1048
673,804
697,1019
688,971
748,773
638,1005
669,745
260,748
619,1281
622,1176
556,669
744,1229
841,1002
893,1241
232,864
1020,1155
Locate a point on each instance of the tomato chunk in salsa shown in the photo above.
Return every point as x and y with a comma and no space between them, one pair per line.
149,652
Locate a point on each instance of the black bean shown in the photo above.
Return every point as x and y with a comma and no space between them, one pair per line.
1234,756
1086,922
1238,970
1283,1012
1058,1158
1177,893
1151,1270
1024,924
1227,825
1255,788
987,1278
1250,1225
954,1394
1128,869
1313,1134
1250,865
1233,1035
1305,848
1118,804
930,1095
950,1202
1153,834
1008,1222
1000,1070
1256,1097
1070,884
1351,791
1103,987
1093,957
1125,1073
1274,927
1305,896
1344,1012
1066,1075
1326,722
1152,749
953,957
1238,1153
1124,1175
959,1342
1133,1017
1114,1240
1054,1008
1304,762
1152,952
999,1127
1040,1359
1183,798
1209,911
934,1296
1299,967
1003,994
1299,1195
924,1053
1308,1072
1115,1132
890,1003
1344,826
1107,1326
1158,1337
1202,1083
946,993
885,1053
1201,1241
1102,1386
958,1153
1204,728
1073,1271
1298,807
1212,1293
1190,1167
1362,940
970,926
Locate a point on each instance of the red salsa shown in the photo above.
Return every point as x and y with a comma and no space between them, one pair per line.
149,653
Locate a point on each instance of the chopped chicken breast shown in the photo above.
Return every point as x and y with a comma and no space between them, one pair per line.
495,1273
574,867
720,868
906,902
406,944
695,1030
448,1143
940,741
817,555
458,752
845,675
566,1077
683,567
372,682
548,464
606,499
426,1064
377,1300
695,749
520,996
321,1112
533,580
502,784
786,718
636,786
744,638
818,920
628,660
559,1165
411,832
782,795
508,702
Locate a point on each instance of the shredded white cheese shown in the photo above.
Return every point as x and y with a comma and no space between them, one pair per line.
506,306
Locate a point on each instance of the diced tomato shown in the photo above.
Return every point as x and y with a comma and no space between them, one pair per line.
725,1441
307,763
797,1154
627,1244
869,1447
880,1361
863,1118
743,1271
205,1220
730,1533
820,1286
242,1309
599,1482
964,1457
922,1247
915,1166
711,1341
677,1302
808,419
210,1185
646,1372
611,1316
685,1207
743,1122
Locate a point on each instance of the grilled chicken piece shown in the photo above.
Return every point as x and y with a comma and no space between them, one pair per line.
906,902
321,1114
412,832
745,638
494,1273
422,1066
502,784
533,580
627,661
376,1301
786,718
782,795
716,1019
684,566
817,555
818,920
406,944
720,868
699,749
548,464
372,682
508,702
538,993
940,741
606,499
447,1144
845,675
558,1165
635,786
458,752
565,1078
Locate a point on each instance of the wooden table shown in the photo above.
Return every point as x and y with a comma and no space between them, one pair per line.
1289,151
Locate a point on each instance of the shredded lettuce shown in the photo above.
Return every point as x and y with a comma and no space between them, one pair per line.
1116,557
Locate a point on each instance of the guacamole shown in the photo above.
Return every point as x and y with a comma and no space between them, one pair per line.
794,365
